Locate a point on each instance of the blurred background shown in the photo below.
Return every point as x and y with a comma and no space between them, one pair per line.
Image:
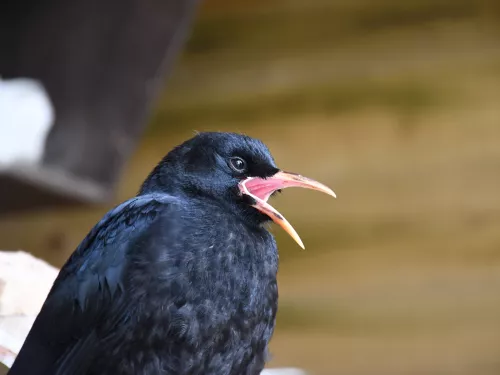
393,104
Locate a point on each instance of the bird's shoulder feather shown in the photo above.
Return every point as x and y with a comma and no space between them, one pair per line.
86,297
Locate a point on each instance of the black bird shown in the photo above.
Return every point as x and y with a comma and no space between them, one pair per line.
179,280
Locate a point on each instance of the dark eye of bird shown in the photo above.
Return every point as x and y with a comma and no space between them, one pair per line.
237,164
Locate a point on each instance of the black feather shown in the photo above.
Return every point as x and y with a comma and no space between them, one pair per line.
180,280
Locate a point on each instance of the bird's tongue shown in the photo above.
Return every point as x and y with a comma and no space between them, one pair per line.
263,188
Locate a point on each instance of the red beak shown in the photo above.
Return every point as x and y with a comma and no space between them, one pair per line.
260,189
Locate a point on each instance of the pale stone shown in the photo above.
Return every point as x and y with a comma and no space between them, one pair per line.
25,282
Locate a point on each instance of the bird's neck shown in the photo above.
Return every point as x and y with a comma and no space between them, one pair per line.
160,181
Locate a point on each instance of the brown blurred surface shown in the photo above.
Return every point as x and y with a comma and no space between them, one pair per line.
395,106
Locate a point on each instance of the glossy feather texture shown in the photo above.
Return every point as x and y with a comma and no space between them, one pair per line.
178,280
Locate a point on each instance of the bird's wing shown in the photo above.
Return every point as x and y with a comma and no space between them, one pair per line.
87,292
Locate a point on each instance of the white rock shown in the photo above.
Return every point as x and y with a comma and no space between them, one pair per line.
6,357
25,282
26,116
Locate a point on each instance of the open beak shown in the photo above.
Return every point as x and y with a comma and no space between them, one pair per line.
260,189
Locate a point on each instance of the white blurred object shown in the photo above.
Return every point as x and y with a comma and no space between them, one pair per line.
25,282
26,116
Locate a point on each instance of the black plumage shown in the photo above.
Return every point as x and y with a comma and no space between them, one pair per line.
179,280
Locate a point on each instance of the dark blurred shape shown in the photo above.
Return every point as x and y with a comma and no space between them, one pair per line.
103,64
30,187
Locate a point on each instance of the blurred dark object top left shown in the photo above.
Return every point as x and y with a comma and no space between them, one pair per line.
102,64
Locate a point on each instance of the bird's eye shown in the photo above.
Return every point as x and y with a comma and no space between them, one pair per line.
237,164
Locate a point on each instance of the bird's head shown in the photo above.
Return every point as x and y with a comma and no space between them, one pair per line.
237,170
